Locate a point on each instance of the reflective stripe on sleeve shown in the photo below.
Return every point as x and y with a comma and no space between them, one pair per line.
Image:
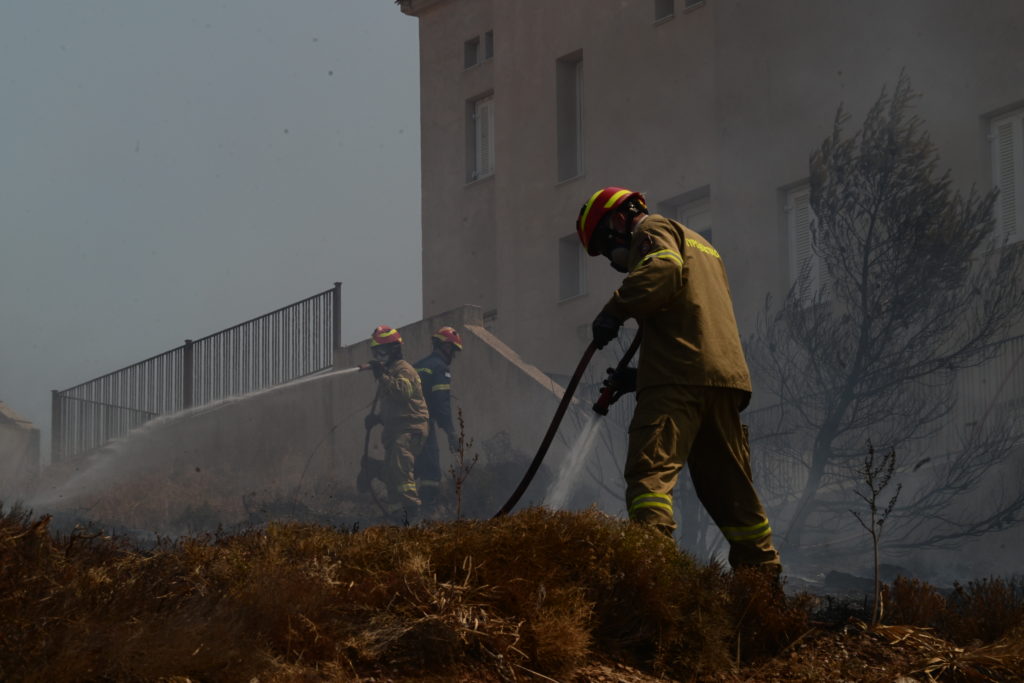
441,387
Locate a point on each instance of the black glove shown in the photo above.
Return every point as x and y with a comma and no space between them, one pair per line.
453,443
622,381
371,421
605,328
377,367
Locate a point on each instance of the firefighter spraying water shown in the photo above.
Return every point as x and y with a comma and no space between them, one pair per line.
692,380
399,407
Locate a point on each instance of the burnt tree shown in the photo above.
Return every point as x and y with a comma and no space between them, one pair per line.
908,286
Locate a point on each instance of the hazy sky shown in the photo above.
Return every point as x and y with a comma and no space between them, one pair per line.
169,169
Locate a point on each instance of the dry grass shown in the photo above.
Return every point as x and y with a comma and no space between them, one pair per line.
536,591
533,595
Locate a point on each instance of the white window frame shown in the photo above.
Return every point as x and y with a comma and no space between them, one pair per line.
692,209
799,220
481,137
1006,133
572,268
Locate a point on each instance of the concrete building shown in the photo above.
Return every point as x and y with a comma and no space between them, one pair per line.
719,103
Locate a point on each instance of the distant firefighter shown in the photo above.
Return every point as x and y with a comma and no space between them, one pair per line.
402,413
436,377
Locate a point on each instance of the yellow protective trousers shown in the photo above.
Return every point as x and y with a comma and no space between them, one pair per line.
676,425
399,461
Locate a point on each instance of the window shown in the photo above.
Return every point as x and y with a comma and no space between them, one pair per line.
696,215
802,259
1007,135
471,52
480,137
571,271
664,9
488,45
692,209
569,94
474,52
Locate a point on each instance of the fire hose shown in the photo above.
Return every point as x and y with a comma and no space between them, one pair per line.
364,481
609,394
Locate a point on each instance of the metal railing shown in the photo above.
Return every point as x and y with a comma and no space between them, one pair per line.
280,346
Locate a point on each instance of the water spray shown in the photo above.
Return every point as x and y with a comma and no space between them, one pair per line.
607,397
350,371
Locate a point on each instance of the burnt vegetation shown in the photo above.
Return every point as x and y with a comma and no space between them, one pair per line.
538,595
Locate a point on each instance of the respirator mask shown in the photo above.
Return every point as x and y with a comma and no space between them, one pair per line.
613,245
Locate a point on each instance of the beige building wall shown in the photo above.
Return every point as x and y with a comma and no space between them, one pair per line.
724,100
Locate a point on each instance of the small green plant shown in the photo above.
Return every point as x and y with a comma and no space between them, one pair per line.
876,474
461,468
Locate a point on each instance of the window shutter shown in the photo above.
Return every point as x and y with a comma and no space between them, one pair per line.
1008,175
484,137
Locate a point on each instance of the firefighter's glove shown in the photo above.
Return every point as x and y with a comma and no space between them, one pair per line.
371,421
621,381
377,367
605,328
453,443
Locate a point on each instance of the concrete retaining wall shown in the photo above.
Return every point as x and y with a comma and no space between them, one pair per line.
301,442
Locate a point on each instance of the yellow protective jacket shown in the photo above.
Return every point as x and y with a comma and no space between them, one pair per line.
400,403
678,291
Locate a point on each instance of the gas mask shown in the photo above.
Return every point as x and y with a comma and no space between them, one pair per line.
385,353
612,244
615,248
619,259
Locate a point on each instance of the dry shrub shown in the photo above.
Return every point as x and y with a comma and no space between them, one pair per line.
766,621
984,611
915,603
622,587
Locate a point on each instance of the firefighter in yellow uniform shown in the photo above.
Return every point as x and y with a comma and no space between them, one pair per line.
402,413
692,379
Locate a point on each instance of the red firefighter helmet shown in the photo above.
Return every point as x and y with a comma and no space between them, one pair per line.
448,334
385,335
597,207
